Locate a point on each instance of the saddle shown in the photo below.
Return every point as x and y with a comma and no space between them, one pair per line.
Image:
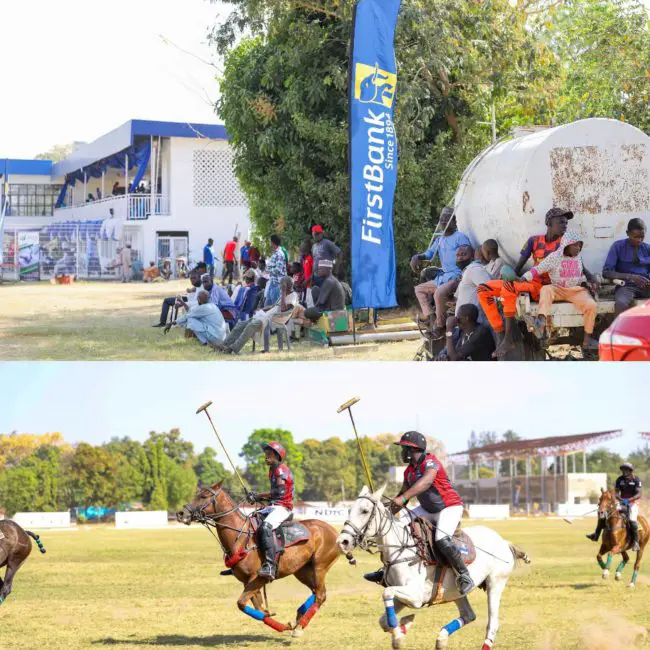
288,533
424,533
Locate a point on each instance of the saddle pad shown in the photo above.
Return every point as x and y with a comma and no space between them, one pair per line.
466,547
291,533
424,531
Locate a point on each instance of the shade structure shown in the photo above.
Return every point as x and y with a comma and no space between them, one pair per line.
521,449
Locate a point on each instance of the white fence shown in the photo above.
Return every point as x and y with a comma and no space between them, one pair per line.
131,207
577,509
42,519
489,511
146,519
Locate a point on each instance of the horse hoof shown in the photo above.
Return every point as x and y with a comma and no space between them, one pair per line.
297,632
631,585
397,642
618,575
442,640
605,574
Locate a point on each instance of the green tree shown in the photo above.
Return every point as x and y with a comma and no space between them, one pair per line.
257,472
158,499
604,460
92,475
18,489
208,469
181,484
57,153
173,445
330,474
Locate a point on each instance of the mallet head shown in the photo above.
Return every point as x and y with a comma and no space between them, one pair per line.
203,407
348,404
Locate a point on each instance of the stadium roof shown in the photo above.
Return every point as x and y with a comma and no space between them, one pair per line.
25,167
124,136
552,446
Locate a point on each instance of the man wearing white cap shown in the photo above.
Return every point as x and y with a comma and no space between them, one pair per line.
329,296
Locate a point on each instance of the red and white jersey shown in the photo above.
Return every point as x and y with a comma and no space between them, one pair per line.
282,472
441,494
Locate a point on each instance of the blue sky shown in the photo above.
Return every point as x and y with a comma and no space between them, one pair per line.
94,401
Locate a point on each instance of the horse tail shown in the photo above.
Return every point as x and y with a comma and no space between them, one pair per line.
37,539
520,555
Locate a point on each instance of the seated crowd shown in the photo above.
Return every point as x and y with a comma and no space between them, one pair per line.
274,294
478,280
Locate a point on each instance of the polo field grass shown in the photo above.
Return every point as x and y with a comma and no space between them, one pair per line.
98,587
109,321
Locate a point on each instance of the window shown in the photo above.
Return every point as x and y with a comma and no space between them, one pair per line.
32,200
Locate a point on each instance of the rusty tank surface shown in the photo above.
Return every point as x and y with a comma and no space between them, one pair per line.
598,168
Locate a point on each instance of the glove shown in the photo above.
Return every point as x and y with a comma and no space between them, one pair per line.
252,498
625,502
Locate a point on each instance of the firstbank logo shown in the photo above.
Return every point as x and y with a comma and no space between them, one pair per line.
374,86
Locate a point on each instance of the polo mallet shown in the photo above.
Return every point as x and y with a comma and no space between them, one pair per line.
570,520
204,408
348,406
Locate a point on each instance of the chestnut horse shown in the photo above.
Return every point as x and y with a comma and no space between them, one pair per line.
615,537
309,561
15,547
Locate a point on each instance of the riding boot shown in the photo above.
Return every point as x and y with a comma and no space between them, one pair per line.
375,576
267,546
634,527
599,527
451,553
226,572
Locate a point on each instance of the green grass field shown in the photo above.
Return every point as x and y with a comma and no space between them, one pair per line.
122,590
109,321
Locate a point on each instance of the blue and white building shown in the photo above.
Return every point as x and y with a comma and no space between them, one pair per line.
163,187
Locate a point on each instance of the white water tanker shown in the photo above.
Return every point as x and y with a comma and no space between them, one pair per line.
598,168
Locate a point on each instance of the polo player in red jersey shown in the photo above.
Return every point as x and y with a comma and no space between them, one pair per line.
426,479
280,506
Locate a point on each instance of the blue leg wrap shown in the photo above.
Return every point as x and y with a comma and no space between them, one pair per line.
454,626
254,613
635,575
391,617
621,566
609,561
602,564
302,610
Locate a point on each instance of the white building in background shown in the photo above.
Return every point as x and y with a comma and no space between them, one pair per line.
164,187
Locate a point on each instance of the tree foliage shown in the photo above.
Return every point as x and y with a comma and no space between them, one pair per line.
284,103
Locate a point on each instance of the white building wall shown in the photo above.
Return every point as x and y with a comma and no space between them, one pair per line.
203,201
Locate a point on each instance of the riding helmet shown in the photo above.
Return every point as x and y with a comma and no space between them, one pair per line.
276,447
412,439
627,466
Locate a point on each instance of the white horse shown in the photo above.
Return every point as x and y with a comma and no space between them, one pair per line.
411,583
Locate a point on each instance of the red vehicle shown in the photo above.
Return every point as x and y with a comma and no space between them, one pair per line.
628,337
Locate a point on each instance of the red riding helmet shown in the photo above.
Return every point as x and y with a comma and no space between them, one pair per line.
276,447
412,439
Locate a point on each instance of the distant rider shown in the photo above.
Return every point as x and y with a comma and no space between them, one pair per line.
628,493
280,506
425,478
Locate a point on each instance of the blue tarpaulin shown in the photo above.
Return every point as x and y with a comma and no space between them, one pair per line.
373,153
137,153
144,163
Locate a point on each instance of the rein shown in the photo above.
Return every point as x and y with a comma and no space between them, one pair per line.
386,525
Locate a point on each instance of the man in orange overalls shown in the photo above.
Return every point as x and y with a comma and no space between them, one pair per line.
537,246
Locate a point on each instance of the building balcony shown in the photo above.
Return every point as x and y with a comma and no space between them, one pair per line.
132,207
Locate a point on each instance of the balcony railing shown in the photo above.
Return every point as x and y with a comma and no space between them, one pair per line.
133,207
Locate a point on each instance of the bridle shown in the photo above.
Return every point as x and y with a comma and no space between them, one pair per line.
386,523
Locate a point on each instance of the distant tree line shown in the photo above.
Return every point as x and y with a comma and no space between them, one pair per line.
43,473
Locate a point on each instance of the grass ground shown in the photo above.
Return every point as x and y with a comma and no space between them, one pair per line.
121,590
96,321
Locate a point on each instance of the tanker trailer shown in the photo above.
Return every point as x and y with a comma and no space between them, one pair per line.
598,168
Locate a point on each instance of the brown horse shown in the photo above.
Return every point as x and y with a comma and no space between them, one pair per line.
616,539
15,547
308,561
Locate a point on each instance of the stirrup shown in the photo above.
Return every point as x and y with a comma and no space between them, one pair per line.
375,576
465,583
267,571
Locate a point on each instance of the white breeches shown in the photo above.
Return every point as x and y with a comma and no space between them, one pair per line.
446,520
275,515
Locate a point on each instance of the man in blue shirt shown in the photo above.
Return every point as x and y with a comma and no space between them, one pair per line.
218,295
629,260
208,257
445,283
